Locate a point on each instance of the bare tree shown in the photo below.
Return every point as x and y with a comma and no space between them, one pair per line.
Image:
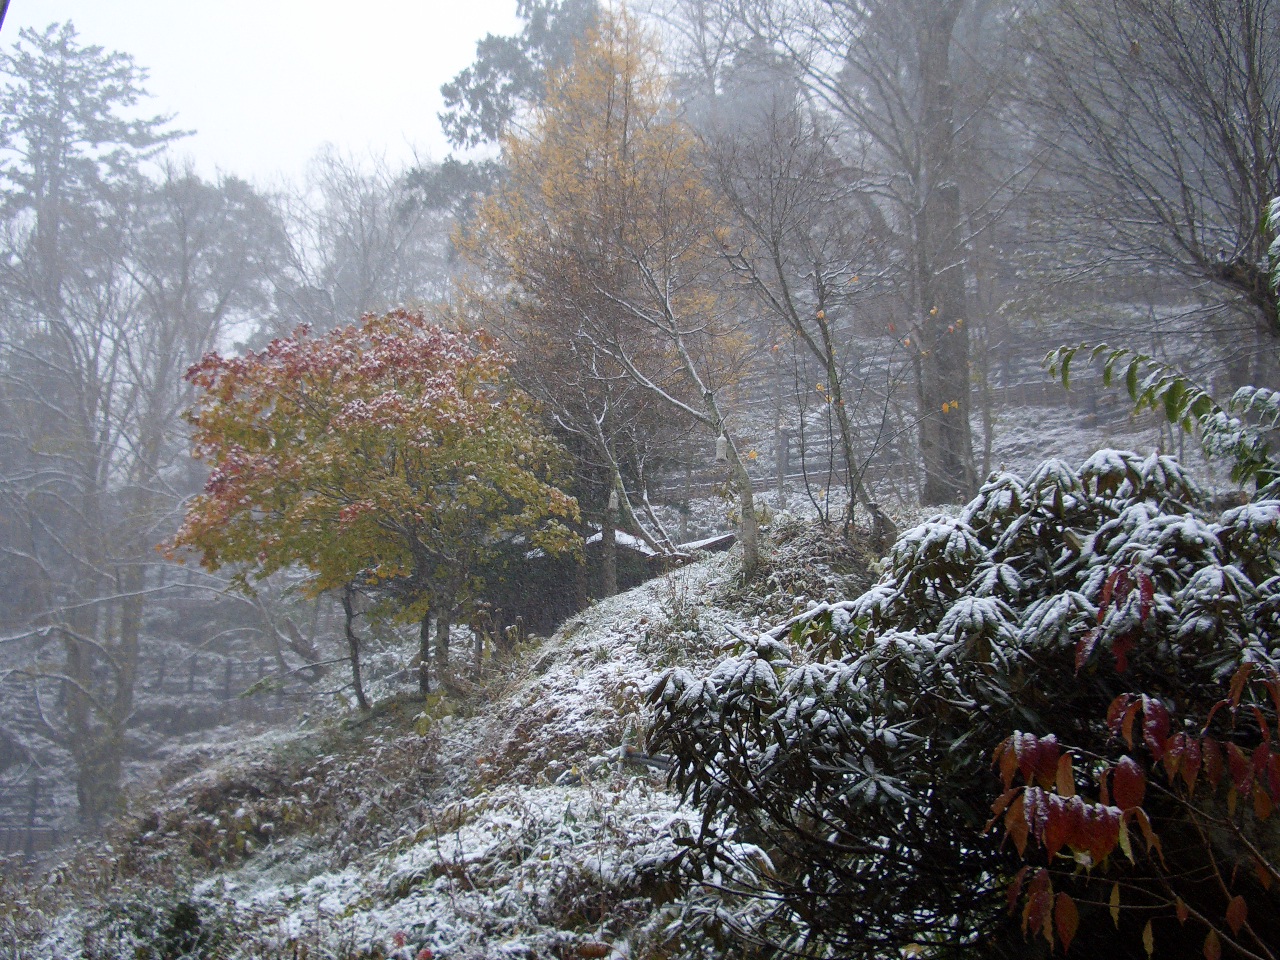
1163,124
113,285
805,249
362,240
909,81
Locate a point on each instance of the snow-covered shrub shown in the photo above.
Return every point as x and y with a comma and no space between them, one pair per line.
179,928
855,745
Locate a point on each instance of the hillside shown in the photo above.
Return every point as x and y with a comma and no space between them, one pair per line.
515,819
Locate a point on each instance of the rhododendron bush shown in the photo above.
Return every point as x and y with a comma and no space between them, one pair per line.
1052,721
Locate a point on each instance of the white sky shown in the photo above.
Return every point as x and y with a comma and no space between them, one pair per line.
265,82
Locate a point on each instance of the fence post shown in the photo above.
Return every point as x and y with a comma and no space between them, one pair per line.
784,462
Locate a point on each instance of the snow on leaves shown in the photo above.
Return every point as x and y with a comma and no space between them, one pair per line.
873,727
388,451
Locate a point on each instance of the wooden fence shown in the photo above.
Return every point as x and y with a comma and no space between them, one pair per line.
25,821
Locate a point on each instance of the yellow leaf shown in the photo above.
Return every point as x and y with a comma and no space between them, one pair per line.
1124,842
1115,904
1148,939
1066,779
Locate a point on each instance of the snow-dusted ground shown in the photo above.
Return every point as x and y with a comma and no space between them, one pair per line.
534,828
515,822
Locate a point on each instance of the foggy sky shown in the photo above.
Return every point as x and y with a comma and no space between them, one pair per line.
266,82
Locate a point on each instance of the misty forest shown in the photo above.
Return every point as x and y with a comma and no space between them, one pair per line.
795,482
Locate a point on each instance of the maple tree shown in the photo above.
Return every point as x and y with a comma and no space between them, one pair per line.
392,455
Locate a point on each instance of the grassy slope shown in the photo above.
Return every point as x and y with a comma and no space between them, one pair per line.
506,823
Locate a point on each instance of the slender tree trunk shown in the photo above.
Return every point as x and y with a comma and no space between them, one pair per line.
353,645
424,654
443,627
883,531
608,554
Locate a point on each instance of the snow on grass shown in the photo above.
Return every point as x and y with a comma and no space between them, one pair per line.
525,864
521,869
521,827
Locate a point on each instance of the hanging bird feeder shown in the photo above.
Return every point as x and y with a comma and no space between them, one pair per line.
722,449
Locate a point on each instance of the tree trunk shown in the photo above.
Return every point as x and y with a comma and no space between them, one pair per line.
942,338
424,654
608,555
353,645
443,627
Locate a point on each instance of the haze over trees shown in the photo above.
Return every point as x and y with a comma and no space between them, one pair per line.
724,261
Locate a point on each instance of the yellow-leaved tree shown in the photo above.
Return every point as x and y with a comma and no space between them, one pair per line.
607,233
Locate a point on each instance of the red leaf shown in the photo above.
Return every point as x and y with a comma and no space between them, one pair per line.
1107,589
1015,823
1007,759
1015,888
1237,913
1213,711
1262,805
1241,769
1066,918
1035,914
1175,747
1128,785
1126,724
1155,726
1273,687
1262,723
1025,746
1262,758
1180,908
1058,827
1065,780
1101,831
1047,752
1116,712
1149,835
1262,873
1146,596
1213,764
1036,809
1000,804
1189,769
1238,680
